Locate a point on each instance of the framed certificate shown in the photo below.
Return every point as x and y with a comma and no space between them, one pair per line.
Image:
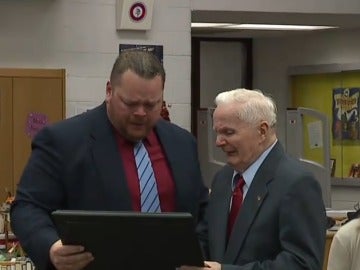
132,240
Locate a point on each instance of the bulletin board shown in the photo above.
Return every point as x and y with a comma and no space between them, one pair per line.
316,91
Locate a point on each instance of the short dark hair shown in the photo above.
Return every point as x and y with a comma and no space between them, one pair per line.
145,64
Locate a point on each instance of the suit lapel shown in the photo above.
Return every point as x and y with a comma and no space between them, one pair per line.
219,202
109,164
250,208
254,199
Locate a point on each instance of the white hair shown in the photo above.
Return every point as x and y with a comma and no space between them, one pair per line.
254,105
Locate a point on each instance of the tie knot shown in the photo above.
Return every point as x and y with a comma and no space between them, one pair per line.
138,144
139,148
239,181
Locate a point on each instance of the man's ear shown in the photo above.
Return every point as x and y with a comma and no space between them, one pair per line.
109,91
263,128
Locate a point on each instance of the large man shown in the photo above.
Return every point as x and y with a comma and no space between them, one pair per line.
88,162
265,211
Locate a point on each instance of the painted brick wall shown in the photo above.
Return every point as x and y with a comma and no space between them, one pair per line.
80,36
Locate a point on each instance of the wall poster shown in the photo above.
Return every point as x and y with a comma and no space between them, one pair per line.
346,113
35,121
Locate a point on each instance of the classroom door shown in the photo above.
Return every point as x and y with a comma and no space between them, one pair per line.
6,138
31,100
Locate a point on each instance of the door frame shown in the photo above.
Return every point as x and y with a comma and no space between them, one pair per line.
195,71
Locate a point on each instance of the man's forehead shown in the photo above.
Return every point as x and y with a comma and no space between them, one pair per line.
132,96
225,120
225,111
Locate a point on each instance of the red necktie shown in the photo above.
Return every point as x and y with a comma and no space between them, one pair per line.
237,199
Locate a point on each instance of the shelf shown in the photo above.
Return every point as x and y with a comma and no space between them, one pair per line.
345,182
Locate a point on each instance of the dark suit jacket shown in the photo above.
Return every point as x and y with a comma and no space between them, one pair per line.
75,164
282,222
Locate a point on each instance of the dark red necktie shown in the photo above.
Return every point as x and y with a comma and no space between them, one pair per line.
237,199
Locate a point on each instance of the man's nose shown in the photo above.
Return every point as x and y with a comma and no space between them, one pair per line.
219,140
140,110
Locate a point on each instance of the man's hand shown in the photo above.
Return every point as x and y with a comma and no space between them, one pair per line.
208,266
65,257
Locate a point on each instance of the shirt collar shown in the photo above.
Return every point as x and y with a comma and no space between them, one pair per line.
250,172
150,139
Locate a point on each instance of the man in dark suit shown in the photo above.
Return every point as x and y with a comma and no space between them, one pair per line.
279,222
88,163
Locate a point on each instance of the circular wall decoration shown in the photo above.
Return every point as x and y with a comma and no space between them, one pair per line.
137,11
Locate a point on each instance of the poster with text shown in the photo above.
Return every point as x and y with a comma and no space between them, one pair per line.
346,113
155,49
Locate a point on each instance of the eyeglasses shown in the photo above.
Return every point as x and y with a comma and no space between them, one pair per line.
357,206
148,106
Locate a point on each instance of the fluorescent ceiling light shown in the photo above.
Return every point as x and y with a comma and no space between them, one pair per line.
260,26
277,27
209,25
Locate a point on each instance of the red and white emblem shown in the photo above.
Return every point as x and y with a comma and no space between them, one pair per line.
137,11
